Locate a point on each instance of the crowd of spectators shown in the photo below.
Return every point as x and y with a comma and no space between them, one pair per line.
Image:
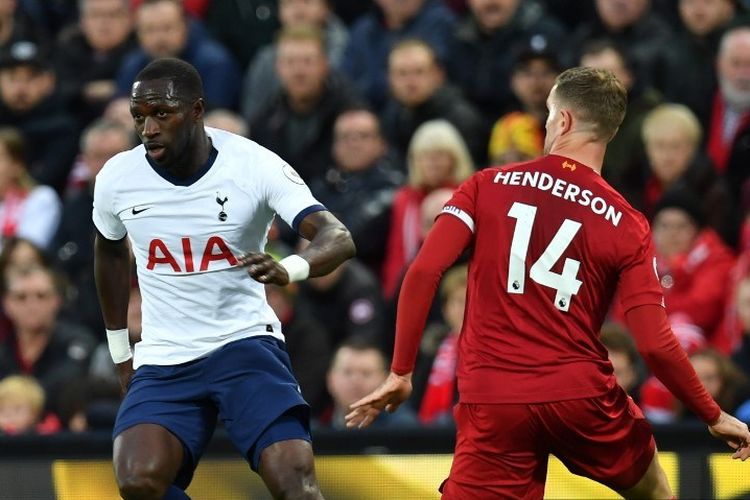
384,107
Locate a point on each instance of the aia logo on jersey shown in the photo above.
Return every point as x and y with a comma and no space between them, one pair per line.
182,261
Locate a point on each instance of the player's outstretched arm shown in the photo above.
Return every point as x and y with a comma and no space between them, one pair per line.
395,390
112,273
330,245
667,360
445,242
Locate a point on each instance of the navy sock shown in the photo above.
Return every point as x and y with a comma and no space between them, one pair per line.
175,493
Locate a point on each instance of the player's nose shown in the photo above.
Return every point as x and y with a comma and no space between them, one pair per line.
150,127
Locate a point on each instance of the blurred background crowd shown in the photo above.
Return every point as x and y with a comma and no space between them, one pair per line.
383,107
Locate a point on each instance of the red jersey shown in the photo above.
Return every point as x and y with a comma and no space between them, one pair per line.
552,243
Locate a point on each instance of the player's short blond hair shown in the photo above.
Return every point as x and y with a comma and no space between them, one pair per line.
23,388
669,116
439,135
595,96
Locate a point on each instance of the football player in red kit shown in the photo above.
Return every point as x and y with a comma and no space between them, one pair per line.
551,243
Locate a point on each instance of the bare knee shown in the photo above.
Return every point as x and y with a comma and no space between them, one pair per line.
146,458
141,485
289,472
297,482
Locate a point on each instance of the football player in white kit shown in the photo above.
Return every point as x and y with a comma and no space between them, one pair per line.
195,205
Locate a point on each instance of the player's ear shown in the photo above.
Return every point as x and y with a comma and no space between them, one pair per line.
199,109
566,121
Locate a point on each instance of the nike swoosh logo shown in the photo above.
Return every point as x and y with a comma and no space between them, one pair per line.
136,212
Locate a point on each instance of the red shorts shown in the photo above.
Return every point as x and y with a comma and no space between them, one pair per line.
502,449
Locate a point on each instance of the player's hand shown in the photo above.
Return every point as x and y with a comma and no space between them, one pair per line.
395,390
125,373
734,432
264,268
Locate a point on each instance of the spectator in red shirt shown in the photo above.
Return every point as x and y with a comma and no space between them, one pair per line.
437,158
22,407
693,264
672,136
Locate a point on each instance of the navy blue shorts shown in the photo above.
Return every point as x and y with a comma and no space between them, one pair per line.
247,383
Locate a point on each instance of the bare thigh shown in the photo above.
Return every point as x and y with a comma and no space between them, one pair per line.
653,484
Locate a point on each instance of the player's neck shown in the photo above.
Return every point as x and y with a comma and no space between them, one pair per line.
587,153
193,158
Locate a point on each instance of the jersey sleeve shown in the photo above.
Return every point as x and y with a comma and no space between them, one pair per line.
288,195
462,204
105,218
639,282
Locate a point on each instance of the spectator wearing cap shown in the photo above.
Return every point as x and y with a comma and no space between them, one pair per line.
484,47
686,70
692,262
672,136
90,53
30,101
519,135
164,30
373,36
261,81
625,157
633,25
420,92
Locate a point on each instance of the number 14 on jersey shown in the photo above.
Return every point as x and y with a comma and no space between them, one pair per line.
566,284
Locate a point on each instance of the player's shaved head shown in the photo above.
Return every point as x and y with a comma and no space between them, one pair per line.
184,81
595,96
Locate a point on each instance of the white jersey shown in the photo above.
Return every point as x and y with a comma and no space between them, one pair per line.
187,235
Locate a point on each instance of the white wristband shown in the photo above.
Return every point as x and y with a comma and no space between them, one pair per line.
119,345
296,267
